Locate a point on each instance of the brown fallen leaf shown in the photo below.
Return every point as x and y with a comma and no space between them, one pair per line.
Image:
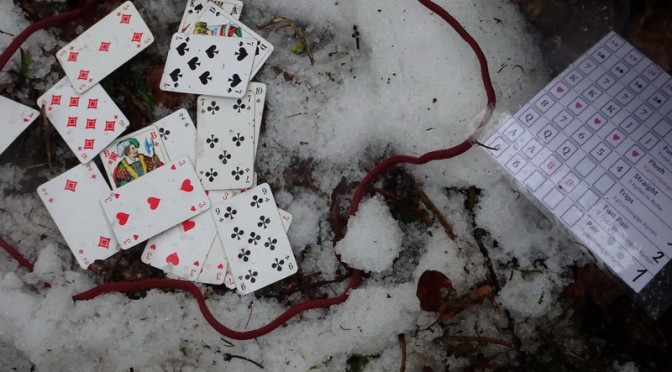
432,287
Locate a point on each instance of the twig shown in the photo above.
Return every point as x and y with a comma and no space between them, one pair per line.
6,33
45,128
395,199
297,32
429,204
228,357
402,343
479,339
249,317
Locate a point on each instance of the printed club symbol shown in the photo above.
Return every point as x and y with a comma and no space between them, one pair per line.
256,201
239,105
211,174
104,46
263,221
104,242
212,141
72,56
244,255
254,238
238,139
251,276
237,173
224,157
278,264
237,233
71,185
230,213
213,108
164,133
270,243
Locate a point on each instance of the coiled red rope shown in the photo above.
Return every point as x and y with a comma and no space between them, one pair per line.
356,277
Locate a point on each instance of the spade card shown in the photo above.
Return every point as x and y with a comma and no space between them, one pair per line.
72,200
225,142
17,118
194,9
212,65
178,133
131,157
87,122
214,21
104,47
182,249
155,202
254,239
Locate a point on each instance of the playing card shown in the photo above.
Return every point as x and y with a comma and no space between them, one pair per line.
205,64
87,122
72,200
194,8
254,239
259,91
225,142
17,118
182,249
178,134
155,202
104,47
132,156
214,21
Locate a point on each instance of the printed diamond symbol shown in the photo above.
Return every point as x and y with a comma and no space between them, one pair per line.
104,242
104,46
137,37
55,100
109,125
83,75
88,143
90,123
93,103
72,56
70,185
74,102
72,121
125,18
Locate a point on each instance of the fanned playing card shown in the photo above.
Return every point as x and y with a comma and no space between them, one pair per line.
254,239
194,9
259,92
225,142
214,21
178,134
134,155
72,200
155,202
104,47
17,118
87,122
212,65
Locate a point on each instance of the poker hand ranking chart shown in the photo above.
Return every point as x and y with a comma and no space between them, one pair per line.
595,148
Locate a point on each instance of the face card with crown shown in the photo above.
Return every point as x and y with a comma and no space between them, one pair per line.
194,9
87,122
72,200
104,47
17,118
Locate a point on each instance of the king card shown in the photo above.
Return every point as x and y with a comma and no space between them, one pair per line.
133,156
194,9
87,122
18,118
72,200
212,65
155,202
104,47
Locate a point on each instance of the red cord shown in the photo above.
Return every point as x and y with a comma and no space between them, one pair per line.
356,278
17,256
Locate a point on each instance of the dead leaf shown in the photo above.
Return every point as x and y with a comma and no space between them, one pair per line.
432,287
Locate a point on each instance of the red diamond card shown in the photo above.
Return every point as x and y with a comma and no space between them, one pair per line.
17,118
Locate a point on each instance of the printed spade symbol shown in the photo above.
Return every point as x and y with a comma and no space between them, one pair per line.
173,259
176,74
198,8
220,266
182,48
205,78
193,63
212,51
234,80
241,53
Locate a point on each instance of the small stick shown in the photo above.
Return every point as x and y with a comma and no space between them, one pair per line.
442,219
249,317
297,31
395,199
228,357
402,343
479,339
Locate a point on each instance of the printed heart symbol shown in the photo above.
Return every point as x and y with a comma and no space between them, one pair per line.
220,266
242,53
205,78
188,225
193,63
597,121
81,251
152,247
182,48
193,209
616,137
116,196
135,237
153,202
187,186
635,153
122,218
559,90
173,167
25,120
176,75
196,263
173,259
578,105
235,80
212,51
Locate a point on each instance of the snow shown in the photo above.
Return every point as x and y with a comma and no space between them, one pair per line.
413,86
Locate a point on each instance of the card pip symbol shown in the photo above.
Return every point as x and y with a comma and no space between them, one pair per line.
72,56
90,123
88,143
104,242
104,46
83,75
93,104
74,102
71,185
137,37
55,100
125,19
